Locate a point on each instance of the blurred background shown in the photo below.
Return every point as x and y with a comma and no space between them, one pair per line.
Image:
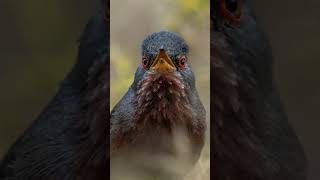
294,31
132,21
38,46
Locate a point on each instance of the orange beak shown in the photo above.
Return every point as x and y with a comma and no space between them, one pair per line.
163,63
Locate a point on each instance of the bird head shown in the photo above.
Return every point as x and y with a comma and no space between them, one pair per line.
165,53
164,80
236,37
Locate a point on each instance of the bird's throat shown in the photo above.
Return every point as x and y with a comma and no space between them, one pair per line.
162,99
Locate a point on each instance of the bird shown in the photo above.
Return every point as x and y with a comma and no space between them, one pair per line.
251,138
69,140
157,129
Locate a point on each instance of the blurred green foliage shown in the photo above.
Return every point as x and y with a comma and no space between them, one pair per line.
122,75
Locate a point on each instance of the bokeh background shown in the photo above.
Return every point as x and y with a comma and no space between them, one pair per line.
38,46
132,21
294,31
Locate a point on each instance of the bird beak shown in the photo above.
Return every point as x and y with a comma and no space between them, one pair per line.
163,63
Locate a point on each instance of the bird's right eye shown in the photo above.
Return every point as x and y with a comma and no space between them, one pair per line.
145,62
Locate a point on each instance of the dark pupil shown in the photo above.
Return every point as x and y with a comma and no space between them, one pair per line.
232,5
145,62
182,63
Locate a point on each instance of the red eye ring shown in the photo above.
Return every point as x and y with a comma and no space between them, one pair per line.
145,62
233,16
182,62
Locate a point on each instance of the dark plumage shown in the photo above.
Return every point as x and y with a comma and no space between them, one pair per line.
159,124
69,140
251,137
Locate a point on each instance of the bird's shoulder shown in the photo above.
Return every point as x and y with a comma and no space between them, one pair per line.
124,110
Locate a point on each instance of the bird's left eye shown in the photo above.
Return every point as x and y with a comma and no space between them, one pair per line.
145,62
232,10
182,60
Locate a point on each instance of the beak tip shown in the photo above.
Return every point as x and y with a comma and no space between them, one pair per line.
163,63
